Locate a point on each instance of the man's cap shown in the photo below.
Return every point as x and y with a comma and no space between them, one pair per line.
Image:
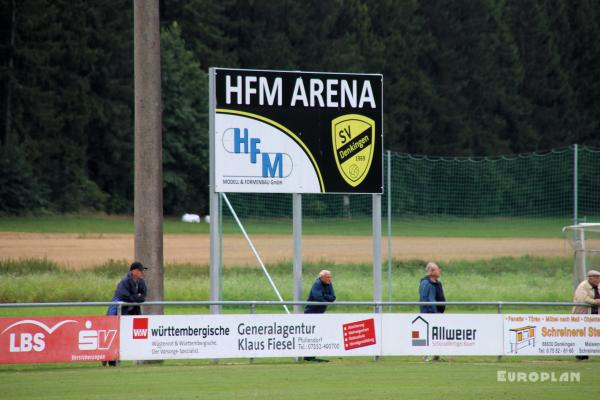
137,265
593,272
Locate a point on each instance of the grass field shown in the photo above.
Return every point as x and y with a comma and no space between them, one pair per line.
440,227
504,279
350,378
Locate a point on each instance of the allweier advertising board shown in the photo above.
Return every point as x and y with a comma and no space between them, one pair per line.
441,334
234,336
58,339
297,132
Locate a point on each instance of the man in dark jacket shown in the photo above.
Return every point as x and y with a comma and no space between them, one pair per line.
431,289
132,289
322,290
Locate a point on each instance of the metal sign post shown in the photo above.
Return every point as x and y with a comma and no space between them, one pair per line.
297,232
215,240
377,288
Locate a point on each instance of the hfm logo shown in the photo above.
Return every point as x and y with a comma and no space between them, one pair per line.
420,332
271,163
25,342
140,328
100,339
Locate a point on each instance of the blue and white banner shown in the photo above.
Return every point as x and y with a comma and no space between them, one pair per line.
254,154
159,337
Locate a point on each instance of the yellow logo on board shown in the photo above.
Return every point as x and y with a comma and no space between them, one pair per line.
353,143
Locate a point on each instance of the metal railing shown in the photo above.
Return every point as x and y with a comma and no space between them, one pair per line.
377,305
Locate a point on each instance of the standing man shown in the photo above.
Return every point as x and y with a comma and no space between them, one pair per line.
587,292
431,289
132,289
322,290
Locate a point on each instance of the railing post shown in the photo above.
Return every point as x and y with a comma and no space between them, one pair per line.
378,307
500,312
119,314
252,309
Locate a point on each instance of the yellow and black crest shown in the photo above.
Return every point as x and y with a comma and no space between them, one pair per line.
353,143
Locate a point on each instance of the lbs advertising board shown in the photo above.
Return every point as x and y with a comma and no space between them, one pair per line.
297,132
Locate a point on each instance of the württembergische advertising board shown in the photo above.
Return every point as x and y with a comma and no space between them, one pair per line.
232,336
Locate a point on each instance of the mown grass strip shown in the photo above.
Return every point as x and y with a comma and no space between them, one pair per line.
435,226
349,378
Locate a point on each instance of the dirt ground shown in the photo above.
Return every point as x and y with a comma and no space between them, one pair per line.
85,250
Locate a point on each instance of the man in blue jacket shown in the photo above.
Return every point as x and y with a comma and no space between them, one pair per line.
132,289
322,290
431,289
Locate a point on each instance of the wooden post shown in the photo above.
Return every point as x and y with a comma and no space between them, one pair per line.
148,203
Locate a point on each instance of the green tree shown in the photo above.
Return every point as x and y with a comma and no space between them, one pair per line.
545,84
185,126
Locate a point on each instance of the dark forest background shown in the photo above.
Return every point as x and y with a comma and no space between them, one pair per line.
462,78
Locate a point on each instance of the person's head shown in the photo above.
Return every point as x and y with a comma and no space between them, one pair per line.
433,271
137,270
594,277
325,276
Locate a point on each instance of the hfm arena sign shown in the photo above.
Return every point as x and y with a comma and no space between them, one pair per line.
297,132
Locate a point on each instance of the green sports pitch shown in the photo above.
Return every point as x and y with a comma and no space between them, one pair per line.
348,378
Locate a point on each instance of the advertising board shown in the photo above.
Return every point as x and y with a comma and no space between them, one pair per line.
297,132
58,339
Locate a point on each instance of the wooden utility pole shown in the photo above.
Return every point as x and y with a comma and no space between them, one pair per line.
148,203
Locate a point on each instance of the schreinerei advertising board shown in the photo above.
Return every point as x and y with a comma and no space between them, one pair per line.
551,335
58,339
297,132
156,337
441,334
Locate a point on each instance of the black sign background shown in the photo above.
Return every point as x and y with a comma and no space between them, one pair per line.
313,124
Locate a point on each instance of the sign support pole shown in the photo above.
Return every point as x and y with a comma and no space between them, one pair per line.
377,249
297,231
377,281
215,240
389,225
